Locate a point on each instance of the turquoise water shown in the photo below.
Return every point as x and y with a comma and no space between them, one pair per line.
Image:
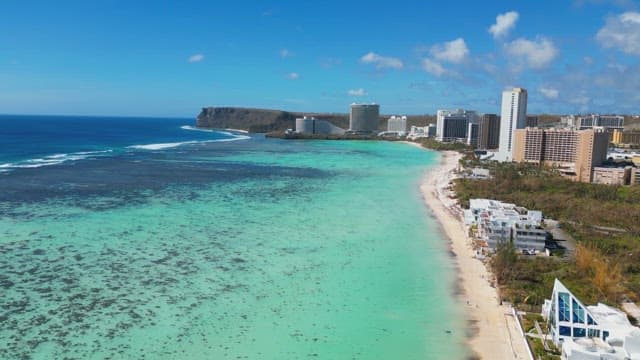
255,249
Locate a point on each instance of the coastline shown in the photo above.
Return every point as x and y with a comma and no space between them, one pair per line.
494,332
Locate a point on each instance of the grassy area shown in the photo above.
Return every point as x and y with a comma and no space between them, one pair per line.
604,219
539,352
528,324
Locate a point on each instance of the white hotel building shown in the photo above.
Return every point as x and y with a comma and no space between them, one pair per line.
513,116
397,124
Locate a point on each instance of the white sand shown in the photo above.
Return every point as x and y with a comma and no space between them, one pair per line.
496,335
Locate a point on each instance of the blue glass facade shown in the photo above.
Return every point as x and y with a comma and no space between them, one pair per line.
578,312
572,319
564,307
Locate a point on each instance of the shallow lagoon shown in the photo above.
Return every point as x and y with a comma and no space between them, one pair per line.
256,249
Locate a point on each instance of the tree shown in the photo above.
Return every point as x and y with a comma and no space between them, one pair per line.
504,261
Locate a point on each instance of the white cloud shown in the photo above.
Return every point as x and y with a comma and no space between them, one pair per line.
285,53
536,54
621,32
549,92
293,76
433,67
357,92
381,62
504,23
196,58
454,51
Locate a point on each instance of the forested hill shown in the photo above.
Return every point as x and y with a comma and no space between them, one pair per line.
267,120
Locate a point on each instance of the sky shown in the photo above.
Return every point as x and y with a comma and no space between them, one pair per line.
171,58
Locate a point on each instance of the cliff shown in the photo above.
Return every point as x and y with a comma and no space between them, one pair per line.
252,120
265,120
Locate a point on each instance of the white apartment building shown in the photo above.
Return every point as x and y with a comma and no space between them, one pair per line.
513,116
499,222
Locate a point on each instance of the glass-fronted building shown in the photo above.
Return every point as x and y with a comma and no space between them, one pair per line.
585,331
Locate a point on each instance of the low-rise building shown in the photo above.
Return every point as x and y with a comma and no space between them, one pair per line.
612,175
635,177
417,132
589,332
499,222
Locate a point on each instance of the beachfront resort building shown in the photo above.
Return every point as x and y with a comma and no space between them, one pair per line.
312,126
589,332
418,132
453,125
363,118
397,125
497,222
513,117
573,152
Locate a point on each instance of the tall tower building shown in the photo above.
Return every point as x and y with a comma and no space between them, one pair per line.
364,118
489,132
513,116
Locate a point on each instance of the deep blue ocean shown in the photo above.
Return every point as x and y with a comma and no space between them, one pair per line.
36,141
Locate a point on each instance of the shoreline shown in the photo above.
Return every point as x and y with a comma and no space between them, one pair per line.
494,332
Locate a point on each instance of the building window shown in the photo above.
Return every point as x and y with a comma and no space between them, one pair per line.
565,331
579,332
564,308
578,312
593,333
590,320
605,335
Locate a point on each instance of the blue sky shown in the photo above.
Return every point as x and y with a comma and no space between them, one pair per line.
170,58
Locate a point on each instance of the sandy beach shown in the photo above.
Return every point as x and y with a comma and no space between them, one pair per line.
495,333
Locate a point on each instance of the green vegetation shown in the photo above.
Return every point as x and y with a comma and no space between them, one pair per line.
528,325
604,220
539,352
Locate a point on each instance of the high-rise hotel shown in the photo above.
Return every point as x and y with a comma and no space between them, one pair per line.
513,117
574,153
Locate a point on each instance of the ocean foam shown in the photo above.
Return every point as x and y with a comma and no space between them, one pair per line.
54,159
162,146
226,132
